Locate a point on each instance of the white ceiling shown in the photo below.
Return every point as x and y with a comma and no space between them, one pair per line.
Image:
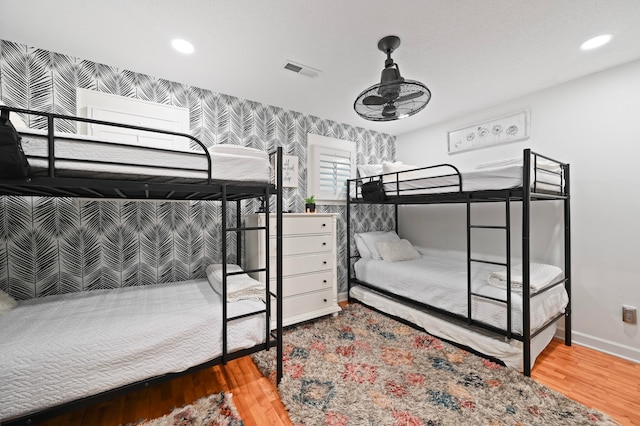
470,53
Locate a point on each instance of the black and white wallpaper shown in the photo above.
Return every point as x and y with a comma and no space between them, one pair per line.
59,245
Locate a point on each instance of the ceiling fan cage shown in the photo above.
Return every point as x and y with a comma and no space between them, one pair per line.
412,97
394,97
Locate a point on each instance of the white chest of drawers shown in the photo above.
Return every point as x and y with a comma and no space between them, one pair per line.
309,272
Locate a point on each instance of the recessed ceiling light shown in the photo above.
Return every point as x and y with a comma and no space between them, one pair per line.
182,46
596,42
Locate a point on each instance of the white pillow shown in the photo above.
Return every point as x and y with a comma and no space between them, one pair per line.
7,302
395,251
362,247
366,170
370,239
397,167
226,148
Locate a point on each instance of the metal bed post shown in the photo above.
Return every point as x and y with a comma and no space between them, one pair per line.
349,235
267,272
507,214
279,210
238,233
468,199
224,274
567,255
395,208
526,259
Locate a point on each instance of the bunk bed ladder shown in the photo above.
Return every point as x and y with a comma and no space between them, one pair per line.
239,230
269,293
507,264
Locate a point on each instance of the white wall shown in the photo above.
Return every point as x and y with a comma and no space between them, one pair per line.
594,124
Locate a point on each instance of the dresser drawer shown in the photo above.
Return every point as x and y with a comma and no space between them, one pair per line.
299,284
302,244
306,224
302,304
303,264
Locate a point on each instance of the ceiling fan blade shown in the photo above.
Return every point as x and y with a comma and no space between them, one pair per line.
409,96
374,100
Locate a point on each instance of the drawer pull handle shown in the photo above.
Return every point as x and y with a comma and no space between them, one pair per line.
324,224
325,300
324,281
324,244
324,263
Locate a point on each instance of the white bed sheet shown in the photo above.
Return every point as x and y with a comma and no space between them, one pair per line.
61,348
508,352
505,177
441,281
228,163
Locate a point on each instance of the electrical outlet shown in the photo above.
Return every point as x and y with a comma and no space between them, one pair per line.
629,314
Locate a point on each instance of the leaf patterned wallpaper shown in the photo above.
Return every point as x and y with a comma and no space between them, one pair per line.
58,245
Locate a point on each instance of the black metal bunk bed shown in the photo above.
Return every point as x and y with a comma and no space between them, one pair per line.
48,183
445,184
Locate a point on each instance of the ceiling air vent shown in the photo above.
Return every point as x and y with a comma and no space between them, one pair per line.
302,69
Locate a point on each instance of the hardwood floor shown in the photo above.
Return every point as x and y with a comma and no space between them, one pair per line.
255,397
597,380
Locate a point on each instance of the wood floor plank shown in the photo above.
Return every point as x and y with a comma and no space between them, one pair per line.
595,379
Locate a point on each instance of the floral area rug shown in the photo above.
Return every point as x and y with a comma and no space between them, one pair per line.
363,368
212,410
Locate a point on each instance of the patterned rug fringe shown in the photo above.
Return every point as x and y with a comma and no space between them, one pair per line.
212,410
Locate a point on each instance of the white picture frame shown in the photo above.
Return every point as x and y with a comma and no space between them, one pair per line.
289,171
508,128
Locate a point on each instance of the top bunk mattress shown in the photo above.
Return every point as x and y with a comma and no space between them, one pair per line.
546,177
86,156
504,177
60,348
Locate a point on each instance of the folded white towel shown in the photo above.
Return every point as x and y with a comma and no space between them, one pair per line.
239,287
540,275
541,163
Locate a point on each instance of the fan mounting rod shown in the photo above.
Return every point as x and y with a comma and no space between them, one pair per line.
387,45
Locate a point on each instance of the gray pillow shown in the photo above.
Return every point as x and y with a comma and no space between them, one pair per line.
396,251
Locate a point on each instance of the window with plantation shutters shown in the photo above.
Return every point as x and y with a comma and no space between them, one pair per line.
330,162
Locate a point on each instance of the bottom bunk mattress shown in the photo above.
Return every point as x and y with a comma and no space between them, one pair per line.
509,352
441,281
60,348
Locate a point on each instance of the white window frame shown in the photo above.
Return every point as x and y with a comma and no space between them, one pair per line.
319,148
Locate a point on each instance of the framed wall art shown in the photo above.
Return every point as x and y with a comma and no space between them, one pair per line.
289,171
509,128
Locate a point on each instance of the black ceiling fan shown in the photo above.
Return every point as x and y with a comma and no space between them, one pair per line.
394,97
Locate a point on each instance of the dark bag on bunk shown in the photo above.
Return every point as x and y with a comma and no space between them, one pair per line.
13,162
373,191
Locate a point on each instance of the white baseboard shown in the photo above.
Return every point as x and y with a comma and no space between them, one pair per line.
342,297
606,346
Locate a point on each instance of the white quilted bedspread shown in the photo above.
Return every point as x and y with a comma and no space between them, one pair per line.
441,281
83,158
60,348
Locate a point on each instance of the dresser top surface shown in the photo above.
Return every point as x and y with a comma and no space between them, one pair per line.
285,215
